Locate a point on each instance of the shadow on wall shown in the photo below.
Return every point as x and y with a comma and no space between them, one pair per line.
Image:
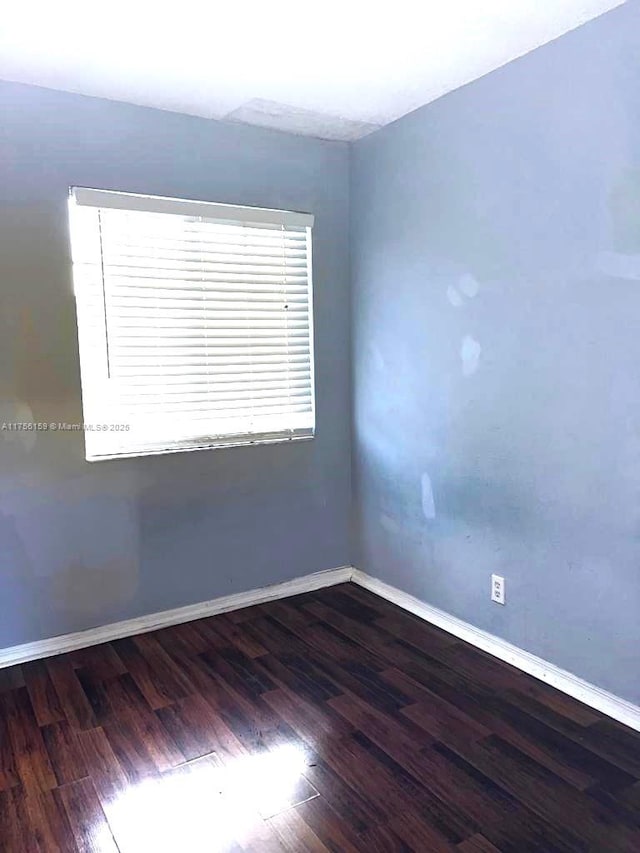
71,559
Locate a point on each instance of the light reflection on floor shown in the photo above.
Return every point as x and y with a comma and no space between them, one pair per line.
205,805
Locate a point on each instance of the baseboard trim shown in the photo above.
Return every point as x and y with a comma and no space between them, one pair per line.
142,624
591,695
595,697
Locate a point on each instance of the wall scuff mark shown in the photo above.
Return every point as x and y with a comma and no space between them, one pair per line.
470,352
428,502
469,285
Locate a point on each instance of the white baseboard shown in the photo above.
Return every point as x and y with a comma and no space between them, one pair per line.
140,625
595,697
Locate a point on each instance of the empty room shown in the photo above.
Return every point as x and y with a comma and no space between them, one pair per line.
320,427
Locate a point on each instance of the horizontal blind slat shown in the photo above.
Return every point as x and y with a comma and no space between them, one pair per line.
257,373
191,231
161,223
220,288
114,264
248,392
256,256
221,341
223,408
128,326
181,357
188,277
211,298
207,398
190,308
234,243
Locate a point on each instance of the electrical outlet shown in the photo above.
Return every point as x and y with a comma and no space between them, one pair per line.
497,589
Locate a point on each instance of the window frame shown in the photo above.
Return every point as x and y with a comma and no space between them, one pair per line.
219,213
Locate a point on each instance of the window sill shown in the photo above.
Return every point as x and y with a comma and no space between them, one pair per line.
221,445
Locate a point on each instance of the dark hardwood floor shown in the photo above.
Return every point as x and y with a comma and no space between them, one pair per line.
329,721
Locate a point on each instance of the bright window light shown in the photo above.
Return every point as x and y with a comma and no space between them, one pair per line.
194,322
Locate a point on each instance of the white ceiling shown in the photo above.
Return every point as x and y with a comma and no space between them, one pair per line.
337,69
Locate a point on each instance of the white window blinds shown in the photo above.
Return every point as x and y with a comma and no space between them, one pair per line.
194,321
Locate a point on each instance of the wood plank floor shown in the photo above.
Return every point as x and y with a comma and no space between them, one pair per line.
330,721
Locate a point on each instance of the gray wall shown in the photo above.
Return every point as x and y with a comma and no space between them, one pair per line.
496,309
86,544
495,301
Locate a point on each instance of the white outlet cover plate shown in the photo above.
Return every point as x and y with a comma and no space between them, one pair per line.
497,589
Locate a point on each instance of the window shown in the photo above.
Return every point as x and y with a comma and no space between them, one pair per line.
194,323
